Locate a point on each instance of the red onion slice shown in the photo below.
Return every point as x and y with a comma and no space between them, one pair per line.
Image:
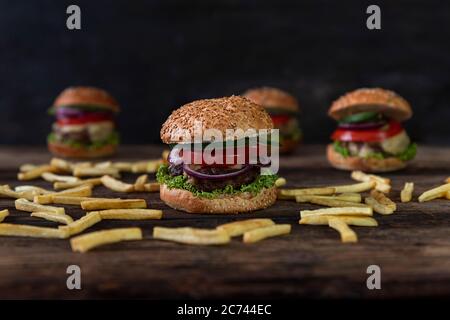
68,112
199,175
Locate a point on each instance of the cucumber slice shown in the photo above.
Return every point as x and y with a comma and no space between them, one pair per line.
361,117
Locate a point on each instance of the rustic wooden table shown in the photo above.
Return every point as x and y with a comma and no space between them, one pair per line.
412,246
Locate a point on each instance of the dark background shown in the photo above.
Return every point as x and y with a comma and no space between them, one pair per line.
154,56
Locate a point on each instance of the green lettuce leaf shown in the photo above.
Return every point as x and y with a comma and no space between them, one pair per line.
339,148
409,153
180,182
112,139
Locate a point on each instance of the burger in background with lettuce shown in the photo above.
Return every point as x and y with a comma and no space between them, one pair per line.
284,110
370,136
85,126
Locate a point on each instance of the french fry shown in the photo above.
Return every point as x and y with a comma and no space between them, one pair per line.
350,220
5,191
35,173
85,164
72,200
280,182
347,234
342,211
130,214
259,234
81,224
192,235
363,177
447,195
62,165
25,205
51,177
378,207
95,172
139,185
55,217
291,193
95,239
350,197
380,203
151,187
149,166
27,167
238,228
381,184
3,214
68,185
434,193
447,180
19,230
37,190
103,204
103,165
117,185
165,156
406,193
355,188
84,190
330,202
123,166
81,191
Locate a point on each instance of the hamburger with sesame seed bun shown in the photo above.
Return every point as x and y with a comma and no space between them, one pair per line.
284,110
370,136
85,126
199,180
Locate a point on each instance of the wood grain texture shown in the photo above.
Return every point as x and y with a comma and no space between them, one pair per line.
412,246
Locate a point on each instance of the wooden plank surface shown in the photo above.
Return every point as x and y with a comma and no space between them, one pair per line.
412,246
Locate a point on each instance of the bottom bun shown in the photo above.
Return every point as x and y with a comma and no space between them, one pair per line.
244,202
364,164
62,150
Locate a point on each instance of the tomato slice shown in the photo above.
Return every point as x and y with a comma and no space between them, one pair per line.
86,118
280,119
372,135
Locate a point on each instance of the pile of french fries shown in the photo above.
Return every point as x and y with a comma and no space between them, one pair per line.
70,188
73,184
64,174
251,230
347,207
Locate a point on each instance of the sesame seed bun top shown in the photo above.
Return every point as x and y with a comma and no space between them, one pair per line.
272,98
86,96
222,113
376,99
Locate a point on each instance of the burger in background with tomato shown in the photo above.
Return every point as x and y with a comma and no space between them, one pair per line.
84,126
222,182
284,110
370,136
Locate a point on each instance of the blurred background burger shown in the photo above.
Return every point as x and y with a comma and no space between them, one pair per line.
284,110
85,126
